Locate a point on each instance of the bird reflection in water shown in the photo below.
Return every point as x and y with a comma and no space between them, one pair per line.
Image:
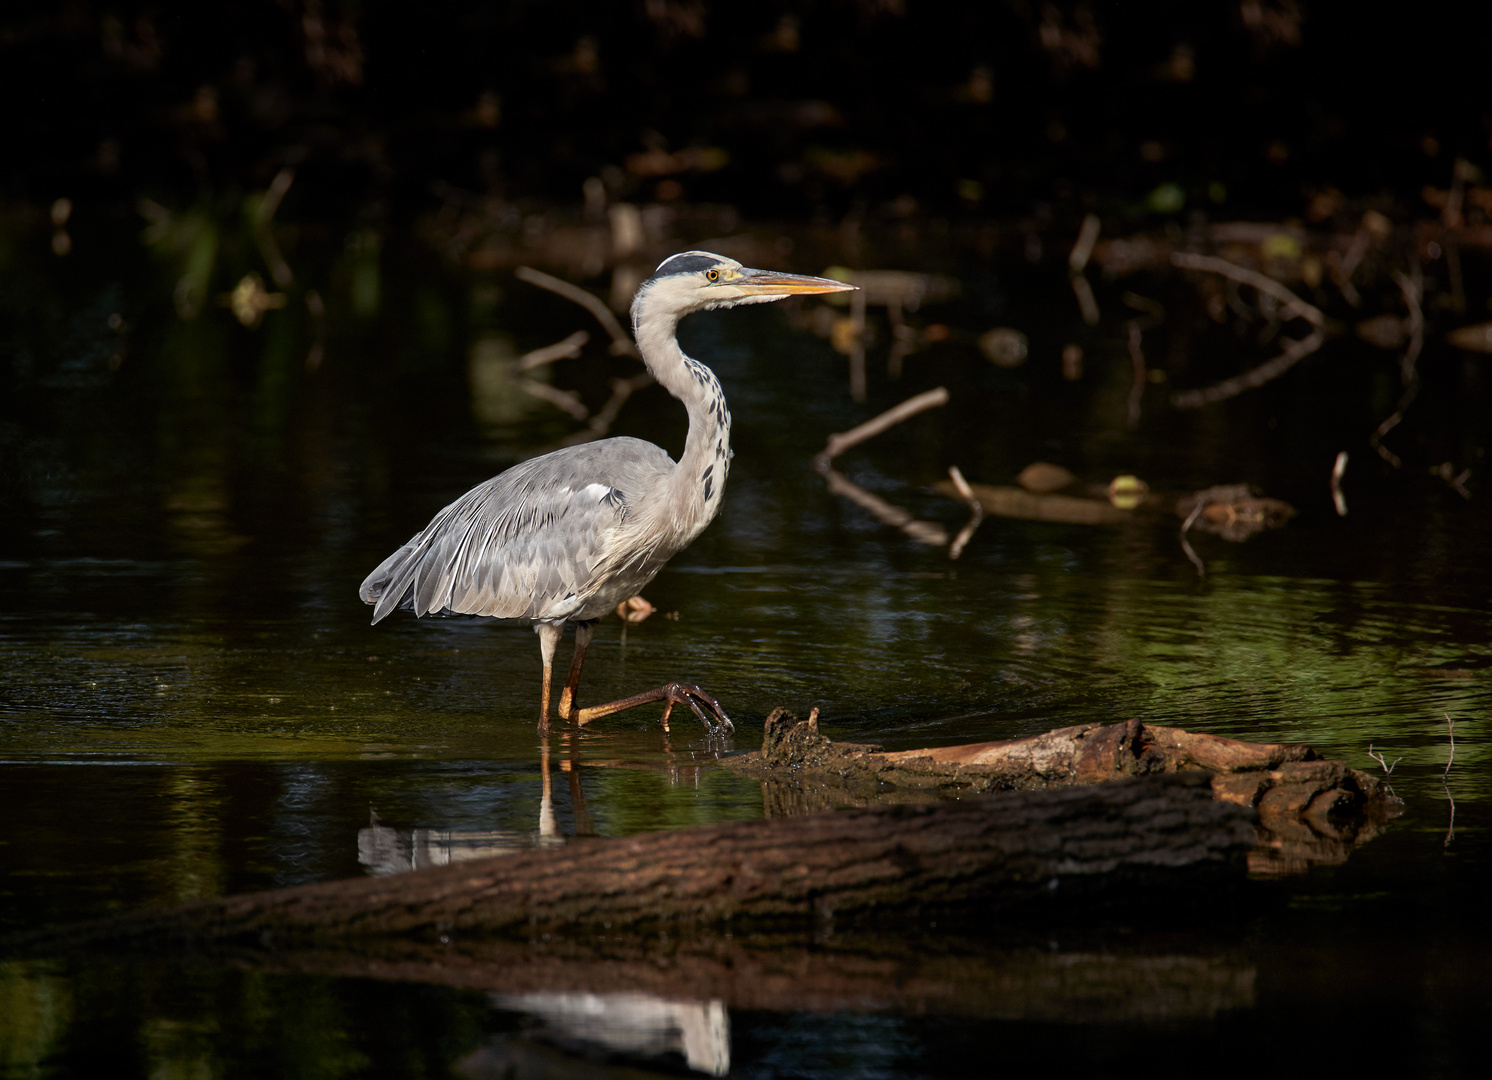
635,1028
385,850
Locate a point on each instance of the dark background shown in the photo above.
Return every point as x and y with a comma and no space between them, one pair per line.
805,109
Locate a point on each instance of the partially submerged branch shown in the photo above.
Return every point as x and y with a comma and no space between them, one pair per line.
621,342
1294,353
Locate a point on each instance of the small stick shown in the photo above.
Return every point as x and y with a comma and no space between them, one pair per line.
1451,725
1087,305
1411,290
976,512
1137,360
1186,546
1264,283
842,441
1077,259
567,349
1294,353
1337,498
1388,770
621,344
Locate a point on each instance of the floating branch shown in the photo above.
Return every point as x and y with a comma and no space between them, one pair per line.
1186,547
1338,468
1263,282
976,512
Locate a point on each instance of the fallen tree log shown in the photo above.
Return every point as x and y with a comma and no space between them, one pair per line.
1310,810
881,866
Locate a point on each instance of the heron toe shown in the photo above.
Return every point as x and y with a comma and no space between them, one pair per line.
702,702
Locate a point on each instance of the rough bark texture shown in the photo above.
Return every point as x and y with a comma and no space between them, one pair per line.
1309,810
878,866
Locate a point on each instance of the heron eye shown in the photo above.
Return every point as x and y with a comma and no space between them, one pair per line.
712,275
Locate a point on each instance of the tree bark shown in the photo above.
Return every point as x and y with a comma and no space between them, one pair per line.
880,866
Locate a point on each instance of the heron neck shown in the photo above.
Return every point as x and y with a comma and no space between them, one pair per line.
706,456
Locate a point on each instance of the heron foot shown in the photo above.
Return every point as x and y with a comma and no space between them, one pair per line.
702,703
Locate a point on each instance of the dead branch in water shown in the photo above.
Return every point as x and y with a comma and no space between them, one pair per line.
976,512
1294,352
1338,470
924,532
1262,282
1411,289
842,441
621,342
1310,811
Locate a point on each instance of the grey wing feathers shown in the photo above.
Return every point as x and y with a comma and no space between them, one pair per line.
524,544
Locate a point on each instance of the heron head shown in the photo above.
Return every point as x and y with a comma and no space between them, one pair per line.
700,280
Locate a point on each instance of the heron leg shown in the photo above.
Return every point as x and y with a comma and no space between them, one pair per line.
704,705
549,635
584,631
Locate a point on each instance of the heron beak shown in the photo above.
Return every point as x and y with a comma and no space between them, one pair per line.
770,283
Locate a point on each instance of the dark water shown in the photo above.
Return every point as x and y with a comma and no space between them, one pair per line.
192,702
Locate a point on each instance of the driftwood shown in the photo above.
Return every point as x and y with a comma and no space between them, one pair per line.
1309,810
882,866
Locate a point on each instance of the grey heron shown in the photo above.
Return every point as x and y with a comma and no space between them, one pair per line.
566,536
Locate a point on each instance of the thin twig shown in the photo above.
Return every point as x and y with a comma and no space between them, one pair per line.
976,512
1294,353
1451,726
842,441
279,269
1186,546
1083,248
1077,260
621,343
1338,468
1411,289
567,349
1137,360
1087,305
1263,282
1388,770
1344,266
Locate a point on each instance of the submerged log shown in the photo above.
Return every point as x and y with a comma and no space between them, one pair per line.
1309,810
1100,977
882,866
